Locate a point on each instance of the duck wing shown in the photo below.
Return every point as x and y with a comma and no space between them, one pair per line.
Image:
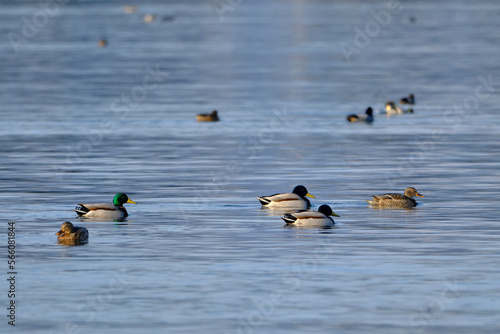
395,196
381,198
279,198
309,215
82,233
83,209
291,218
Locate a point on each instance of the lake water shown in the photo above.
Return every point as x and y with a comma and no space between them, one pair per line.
81,123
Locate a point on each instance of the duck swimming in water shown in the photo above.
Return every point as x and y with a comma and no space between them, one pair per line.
320,218
296,199
212,117
408,100
391,109
72,234
397,200
114,210
366,117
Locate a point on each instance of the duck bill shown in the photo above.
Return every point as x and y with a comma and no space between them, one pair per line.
59,233
130,201
309,195
419,195
334,214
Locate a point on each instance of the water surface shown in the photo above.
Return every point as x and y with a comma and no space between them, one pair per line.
197,252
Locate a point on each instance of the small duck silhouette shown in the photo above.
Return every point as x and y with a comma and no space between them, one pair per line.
212,117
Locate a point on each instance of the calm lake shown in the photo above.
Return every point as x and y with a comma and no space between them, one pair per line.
198,253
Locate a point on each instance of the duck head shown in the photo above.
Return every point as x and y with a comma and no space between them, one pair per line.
410,192
302,191
121,199
66,228
327,211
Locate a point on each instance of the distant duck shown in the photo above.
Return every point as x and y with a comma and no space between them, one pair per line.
130,9
72,234
391,109
212,117
408,100
102,43
105,210
296,199
397,200
366,117
320,218
168,18
148,18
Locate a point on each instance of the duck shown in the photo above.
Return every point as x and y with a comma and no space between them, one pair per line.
102,43
296,199
72,234
129,9
212,117
113,210
391,109
148,18
397,200
320,218
408,100
366,117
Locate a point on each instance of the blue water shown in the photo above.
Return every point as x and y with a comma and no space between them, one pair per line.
81,123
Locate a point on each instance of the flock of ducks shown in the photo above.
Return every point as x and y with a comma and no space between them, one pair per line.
391,108
296,200
295,205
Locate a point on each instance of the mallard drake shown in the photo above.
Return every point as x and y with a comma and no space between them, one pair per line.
105,210
399,200
408,100
296,199
366,117
320,218
212,117
72,234
391,109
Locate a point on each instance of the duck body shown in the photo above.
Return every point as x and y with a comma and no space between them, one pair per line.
366,117
296,199
212,117
408,100
114,210
392,109
397,200
72,234
320,218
